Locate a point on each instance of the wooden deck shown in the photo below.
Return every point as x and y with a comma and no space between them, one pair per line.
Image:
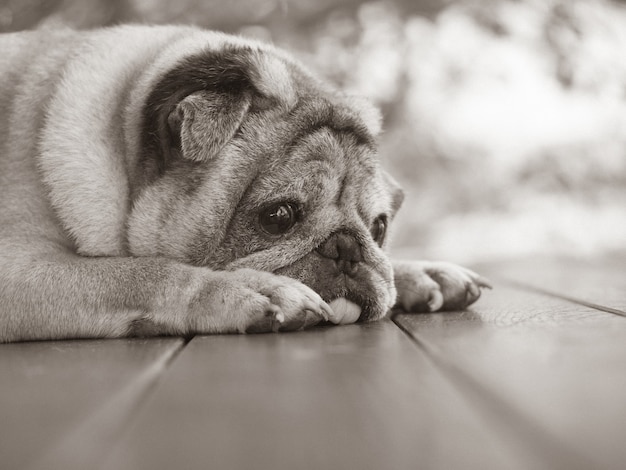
531,377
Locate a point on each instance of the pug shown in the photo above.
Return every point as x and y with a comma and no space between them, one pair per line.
175,181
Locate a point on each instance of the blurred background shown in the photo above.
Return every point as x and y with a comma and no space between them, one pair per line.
505,120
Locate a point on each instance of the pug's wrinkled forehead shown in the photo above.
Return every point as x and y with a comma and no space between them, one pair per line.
244,131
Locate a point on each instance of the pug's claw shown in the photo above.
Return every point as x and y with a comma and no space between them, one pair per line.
326,311
483,282
277,303
433,286
320,310
435,301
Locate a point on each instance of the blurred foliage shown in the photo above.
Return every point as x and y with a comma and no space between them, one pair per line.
505,120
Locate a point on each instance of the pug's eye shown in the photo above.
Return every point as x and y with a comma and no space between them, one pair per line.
379,229
279,218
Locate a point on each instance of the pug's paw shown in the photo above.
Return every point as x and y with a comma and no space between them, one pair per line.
431,286
266,302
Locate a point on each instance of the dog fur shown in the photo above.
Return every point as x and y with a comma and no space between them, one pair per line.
136,163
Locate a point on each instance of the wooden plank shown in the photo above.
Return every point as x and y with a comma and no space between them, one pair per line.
553,369
350,397
63,402
596,283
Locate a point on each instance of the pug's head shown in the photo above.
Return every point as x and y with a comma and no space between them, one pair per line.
247,160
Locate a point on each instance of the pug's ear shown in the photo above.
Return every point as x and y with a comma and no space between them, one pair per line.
395,191
195,109
204,122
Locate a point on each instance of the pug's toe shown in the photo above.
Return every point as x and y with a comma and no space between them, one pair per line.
292,306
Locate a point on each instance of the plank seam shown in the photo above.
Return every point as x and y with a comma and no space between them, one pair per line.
529,438
575,300
82,447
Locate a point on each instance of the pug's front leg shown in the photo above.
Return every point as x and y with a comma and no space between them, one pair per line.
429,286
64,296
239,301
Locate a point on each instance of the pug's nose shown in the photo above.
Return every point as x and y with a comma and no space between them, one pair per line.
344,250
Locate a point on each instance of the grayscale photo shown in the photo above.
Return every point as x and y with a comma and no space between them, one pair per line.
296,234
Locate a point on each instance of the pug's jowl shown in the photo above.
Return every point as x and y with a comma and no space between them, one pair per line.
170,180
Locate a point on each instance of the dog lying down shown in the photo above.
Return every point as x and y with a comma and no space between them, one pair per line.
172,181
